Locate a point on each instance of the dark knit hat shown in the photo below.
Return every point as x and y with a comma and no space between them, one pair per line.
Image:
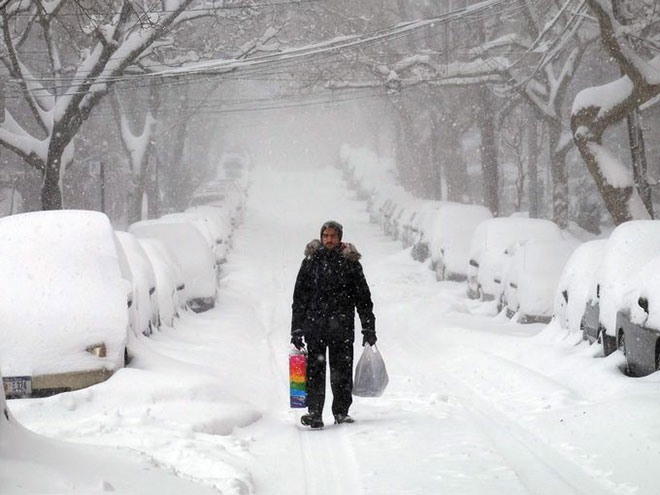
333,225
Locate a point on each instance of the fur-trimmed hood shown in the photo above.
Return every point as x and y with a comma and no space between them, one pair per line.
348,250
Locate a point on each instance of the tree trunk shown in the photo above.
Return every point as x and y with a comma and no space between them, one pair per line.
455,166
436,157
639,164
559,176
135,200
51,189
532,166
489,153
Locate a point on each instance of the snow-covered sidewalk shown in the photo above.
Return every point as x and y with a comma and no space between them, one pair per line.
476,404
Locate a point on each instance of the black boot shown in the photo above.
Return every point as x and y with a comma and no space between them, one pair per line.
312,420
343,418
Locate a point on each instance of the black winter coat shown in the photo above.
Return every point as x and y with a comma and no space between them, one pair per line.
329,288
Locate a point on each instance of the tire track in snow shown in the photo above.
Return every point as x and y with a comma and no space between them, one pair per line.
541,468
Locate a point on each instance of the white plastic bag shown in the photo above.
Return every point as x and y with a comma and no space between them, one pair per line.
370,374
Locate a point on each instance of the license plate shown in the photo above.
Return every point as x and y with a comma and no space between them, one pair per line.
17,386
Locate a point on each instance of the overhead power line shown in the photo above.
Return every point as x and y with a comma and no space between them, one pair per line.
218,67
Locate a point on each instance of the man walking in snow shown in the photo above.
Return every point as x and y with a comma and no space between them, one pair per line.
329,288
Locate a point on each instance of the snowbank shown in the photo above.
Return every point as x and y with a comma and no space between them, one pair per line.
32,464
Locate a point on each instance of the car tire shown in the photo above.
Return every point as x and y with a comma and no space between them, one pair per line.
657,355
621,341
609,343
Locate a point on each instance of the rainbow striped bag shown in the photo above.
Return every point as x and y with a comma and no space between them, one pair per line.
297,391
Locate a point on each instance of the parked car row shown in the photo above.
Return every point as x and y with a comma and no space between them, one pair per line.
75,290
609,292
606,288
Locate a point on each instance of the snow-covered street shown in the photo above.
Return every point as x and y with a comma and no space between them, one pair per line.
476,404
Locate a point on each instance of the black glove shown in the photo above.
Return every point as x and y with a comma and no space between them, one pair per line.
369,337
297,339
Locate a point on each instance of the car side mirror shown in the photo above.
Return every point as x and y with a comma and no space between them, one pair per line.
564,293
644,304
474,263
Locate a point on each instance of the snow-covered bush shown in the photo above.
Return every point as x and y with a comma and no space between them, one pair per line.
63,305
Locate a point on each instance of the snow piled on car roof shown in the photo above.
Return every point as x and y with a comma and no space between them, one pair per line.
61,292
631,245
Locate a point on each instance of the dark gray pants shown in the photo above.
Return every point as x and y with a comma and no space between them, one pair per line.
340,356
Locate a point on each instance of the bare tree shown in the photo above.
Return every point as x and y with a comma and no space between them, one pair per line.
597,109
89,49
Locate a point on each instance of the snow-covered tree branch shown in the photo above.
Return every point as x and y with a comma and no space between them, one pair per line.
598,108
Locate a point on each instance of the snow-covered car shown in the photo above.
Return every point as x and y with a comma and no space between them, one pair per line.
63,304
222,193
575,297
638,321
170,288
234,166
219,215
143,312
390,207
487,255
376,204
396,219
532,278
193,253
630,246
221,226
450,237
406,228
422,227
208,226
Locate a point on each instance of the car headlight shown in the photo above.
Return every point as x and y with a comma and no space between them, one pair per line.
98,350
